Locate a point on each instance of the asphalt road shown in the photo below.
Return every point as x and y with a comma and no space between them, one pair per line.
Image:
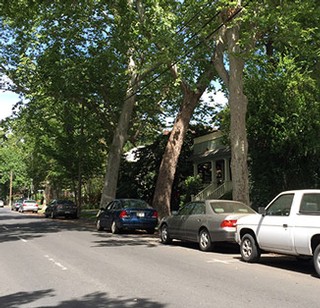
66,263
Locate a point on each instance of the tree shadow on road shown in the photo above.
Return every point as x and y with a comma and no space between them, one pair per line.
289,263
97,300
37,226
133,238
224,248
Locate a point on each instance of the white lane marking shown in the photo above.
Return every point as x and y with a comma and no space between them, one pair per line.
22,239
221,261
19,237
56,263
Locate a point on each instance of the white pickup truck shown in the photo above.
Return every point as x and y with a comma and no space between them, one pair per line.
289,224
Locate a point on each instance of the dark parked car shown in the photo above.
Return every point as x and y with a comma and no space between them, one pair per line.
65,208
16,205
205,222
127,214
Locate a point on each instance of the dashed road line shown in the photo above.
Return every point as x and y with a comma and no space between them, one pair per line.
221,261
56,263
22,239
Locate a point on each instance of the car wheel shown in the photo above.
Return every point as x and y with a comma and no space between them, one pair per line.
249,249
316,260
164,235
98,225
205,243
114,228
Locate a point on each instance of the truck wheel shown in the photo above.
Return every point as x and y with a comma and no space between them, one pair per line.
250,252
316,259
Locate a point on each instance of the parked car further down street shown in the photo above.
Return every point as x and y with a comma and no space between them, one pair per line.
28,206
205,222
1,203
127,214
59,208
16,205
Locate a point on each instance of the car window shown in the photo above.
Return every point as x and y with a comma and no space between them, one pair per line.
111,205
198,208
186,210
310,204
281,206
135,203
231,207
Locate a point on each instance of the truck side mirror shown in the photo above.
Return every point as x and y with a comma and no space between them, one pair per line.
262,210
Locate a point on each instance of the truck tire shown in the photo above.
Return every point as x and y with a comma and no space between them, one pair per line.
249,249
316,259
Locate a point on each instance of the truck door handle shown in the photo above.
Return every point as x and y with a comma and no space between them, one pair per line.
285,226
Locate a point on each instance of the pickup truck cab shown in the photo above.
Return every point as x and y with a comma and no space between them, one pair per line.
289,224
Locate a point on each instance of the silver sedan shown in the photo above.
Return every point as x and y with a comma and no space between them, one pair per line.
205,222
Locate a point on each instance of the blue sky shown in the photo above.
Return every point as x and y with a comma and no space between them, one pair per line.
7,101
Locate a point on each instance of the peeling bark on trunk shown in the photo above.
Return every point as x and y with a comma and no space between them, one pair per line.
119,139
238,109
163,190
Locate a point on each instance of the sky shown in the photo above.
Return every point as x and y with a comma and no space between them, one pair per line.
7,101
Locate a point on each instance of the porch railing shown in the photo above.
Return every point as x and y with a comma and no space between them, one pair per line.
213,192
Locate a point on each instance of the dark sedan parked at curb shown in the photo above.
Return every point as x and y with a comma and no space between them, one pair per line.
127,214
61,208
16,205
205,222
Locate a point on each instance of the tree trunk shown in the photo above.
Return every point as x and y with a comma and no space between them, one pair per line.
119,139
163,189
238,109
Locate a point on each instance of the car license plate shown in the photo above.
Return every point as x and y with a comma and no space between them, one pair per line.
140,214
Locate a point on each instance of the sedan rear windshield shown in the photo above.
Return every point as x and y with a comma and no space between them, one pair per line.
30,201
65,202
135,204
230,207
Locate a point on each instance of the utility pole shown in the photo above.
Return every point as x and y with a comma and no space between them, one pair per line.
10,189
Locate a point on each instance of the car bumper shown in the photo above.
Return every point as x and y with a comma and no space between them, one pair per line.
66,213
223,236
137,224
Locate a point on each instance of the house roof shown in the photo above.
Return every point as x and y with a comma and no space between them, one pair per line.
222,152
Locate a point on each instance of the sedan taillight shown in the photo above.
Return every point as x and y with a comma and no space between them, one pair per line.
123,214
155,214
228,223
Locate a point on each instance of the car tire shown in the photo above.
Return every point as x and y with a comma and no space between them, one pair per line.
114,228
164,234
316,259
98,225
205,243
250,252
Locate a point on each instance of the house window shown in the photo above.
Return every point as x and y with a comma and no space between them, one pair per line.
204,170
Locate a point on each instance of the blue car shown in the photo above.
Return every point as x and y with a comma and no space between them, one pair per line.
127,214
